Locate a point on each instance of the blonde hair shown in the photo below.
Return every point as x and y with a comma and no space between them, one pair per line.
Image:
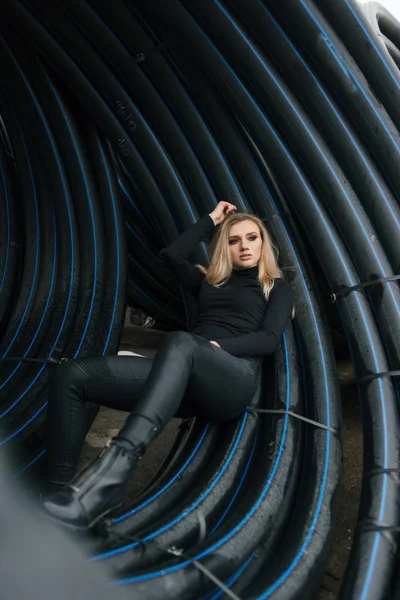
221,267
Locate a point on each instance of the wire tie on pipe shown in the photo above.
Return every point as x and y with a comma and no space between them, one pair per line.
344,290
382,471
273,411
104,527
178,553
202,528
373,376
50,361
370,525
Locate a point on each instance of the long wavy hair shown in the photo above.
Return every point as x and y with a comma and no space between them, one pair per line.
220,268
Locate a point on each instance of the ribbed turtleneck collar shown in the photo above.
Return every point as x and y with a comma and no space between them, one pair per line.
250,273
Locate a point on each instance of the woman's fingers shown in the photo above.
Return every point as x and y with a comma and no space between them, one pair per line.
222,210
227,208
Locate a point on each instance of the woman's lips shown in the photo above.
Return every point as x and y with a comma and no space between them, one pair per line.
245,256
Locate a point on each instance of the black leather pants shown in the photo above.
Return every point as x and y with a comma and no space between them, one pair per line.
188,377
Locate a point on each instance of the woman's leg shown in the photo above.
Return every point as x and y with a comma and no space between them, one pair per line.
113,381
216,384
183,362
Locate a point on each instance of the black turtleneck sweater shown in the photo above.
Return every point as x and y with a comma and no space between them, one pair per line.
237,314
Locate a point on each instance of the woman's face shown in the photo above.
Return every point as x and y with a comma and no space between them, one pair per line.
245,244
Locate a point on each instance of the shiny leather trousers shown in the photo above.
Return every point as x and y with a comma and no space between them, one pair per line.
188,377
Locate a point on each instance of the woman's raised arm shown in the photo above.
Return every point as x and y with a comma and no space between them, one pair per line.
178,252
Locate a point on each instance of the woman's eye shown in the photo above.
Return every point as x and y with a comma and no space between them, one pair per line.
251,238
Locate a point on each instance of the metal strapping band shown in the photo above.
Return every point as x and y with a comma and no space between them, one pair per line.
368,525
178,552
344,290
50,361
373,376
381,471
273,411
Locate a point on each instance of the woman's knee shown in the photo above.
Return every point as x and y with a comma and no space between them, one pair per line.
181,340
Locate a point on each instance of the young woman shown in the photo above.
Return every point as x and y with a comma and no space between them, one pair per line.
243,305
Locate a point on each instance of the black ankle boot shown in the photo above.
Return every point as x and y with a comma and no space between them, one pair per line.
96,490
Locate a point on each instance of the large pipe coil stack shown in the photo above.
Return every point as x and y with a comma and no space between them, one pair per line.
121,123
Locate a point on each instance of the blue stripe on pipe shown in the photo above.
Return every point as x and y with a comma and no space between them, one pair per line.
118,249
335,53
29,464
67,204
49,296
239,487
214,547
168,485
317,146
229,582
350,136
187,511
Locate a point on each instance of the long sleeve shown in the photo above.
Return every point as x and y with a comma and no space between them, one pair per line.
178,252
265,340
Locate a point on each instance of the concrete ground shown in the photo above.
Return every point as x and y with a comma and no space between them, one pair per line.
108,422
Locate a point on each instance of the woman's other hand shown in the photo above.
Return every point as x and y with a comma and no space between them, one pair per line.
215,343
221,211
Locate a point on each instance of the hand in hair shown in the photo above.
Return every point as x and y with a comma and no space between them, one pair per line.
215,343
221,211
